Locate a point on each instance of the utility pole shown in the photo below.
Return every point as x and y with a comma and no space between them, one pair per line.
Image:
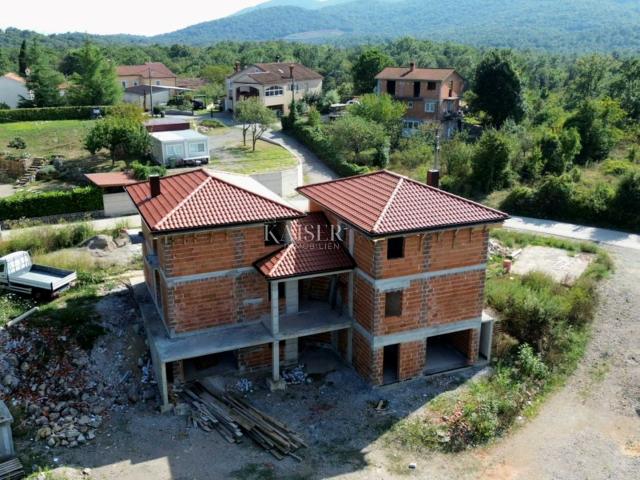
150,92
433,175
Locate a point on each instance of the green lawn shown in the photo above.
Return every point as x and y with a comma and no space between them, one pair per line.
61,137
266,158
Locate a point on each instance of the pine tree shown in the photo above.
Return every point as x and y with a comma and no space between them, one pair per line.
22,59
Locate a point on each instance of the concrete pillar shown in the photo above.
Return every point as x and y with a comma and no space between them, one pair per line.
276,360
291,294
350,345
291,351
164,388
6,438
275,323
350,294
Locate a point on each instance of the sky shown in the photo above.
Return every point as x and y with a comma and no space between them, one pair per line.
114,16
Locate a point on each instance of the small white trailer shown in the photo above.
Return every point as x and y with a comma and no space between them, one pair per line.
19,274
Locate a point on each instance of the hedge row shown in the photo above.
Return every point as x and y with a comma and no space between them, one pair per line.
559,198
29,205
317,141
48,113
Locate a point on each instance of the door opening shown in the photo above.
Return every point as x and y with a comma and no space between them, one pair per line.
390,363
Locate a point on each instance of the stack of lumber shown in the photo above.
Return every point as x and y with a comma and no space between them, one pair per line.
11,469
233,417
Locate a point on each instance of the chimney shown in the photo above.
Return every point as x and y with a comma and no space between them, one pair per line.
278,57
412,66
291,67
154,183
433,178
237,67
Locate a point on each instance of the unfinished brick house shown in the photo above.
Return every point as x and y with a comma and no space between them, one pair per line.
387,271
432,95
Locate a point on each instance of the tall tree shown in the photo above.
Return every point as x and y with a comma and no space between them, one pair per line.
22,59
498,89
44,83
370,63
124,136
95,82
491,161
255,119
627,87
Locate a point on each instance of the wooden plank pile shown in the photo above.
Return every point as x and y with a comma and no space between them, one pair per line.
11,469
234,418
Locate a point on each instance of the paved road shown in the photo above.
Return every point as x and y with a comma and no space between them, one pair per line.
577,232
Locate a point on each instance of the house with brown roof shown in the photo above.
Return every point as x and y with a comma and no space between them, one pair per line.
385,271
274,84
150,73
12,89
432,95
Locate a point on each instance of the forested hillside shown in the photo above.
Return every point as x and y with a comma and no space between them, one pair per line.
559,26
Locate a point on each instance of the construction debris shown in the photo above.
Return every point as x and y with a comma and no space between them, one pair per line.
11,469
295,376
234,418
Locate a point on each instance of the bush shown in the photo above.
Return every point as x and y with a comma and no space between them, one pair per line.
49,113
618,167
626,203
81,199
48,239
17,143
142,171
318,142
212,123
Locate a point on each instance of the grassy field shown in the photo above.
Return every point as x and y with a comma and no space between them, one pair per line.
266,158
62,137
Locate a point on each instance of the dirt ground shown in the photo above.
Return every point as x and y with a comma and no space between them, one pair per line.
589,429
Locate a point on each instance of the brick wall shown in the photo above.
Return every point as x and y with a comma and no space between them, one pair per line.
364,253
452,298
414,310
412,358
453,250
415,250
365,303
258,357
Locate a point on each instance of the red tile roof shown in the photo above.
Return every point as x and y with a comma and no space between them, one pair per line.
110,179
307,254
406,73
279,72
383,203
158,70
196,200
15,77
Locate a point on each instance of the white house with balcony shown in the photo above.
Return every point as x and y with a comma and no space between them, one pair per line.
274,84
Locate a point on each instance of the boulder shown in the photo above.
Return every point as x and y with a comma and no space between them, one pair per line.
101,242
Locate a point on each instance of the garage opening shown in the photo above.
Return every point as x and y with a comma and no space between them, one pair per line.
207,365
390,364
447,352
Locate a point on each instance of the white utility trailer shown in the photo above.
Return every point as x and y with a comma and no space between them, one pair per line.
19,274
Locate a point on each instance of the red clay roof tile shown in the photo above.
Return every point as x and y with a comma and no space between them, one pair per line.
196,199
384,202
304,256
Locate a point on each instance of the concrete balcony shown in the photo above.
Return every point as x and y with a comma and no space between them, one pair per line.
312,318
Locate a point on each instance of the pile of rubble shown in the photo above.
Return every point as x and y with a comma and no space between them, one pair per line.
63,391
498,249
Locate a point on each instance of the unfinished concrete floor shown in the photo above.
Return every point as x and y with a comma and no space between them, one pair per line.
561,265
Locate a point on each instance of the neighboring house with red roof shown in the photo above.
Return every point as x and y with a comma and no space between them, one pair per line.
432,95
12,89
274,84
150,73
387,271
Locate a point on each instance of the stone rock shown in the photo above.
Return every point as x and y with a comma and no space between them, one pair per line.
51,442
81,439
43,433
53,416
25,367
132,394
84,420
91,435
72,433
10,381
101,242
42,421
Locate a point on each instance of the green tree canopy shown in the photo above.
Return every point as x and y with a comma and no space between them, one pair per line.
124,137
44,83
22,59
382,109
490,161
95,81
370,63
498,89
354,134
254,118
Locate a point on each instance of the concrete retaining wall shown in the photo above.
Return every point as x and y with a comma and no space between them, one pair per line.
283,183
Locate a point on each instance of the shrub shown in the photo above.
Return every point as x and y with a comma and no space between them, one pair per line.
626,203
17,143
48,239
81,199
212,123
142,171
49,113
